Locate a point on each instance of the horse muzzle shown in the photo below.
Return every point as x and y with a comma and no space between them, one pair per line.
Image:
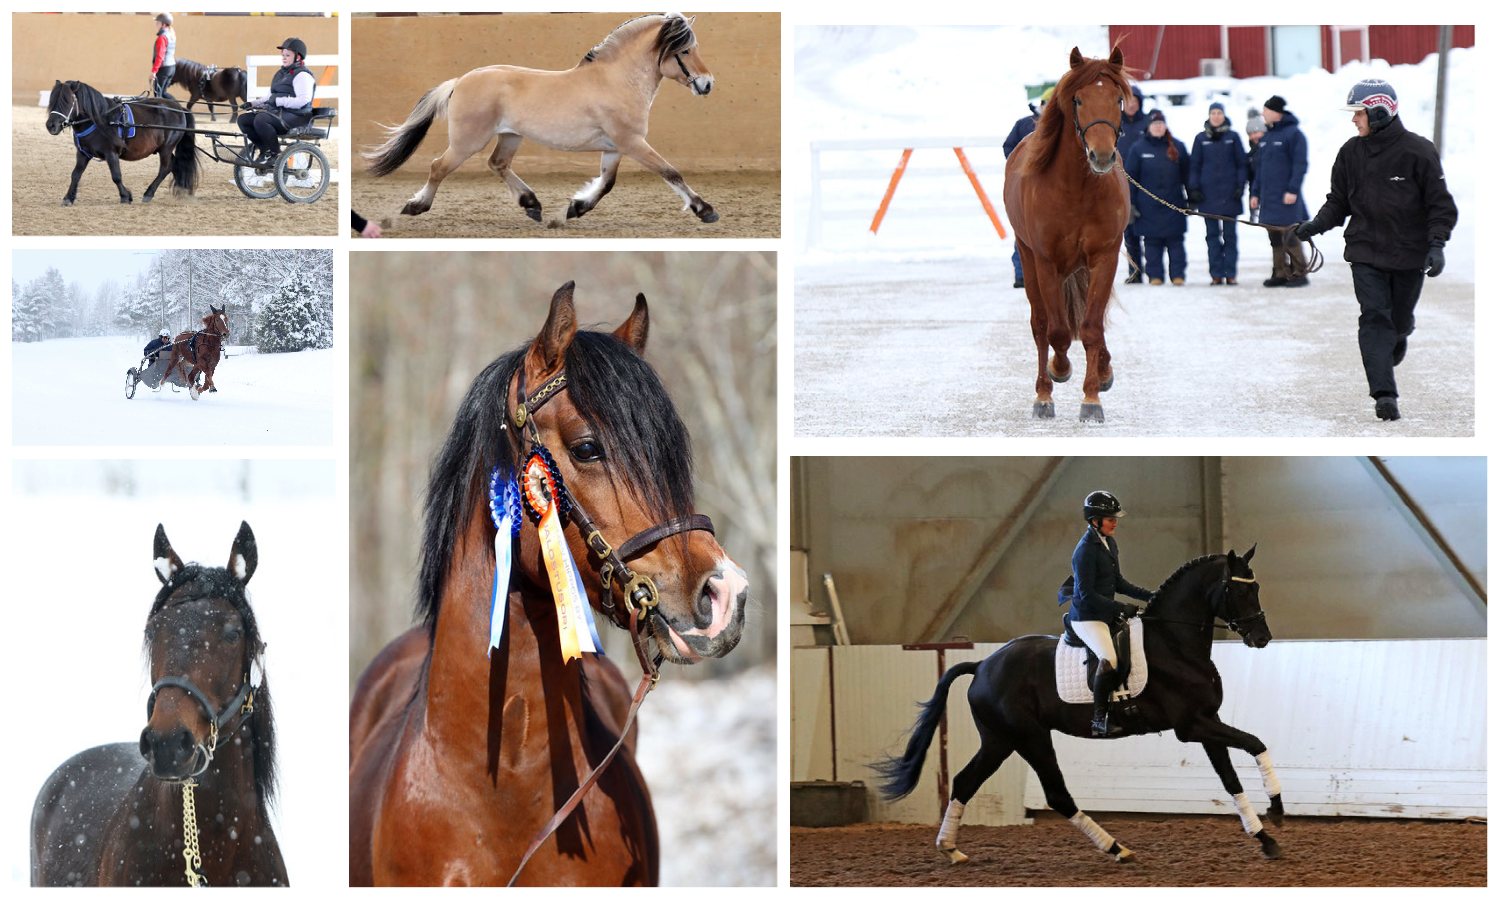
175,756
716,622
702,85
1102,165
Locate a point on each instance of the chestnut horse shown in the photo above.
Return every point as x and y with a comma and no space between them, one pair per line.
201,349
209,747
1068,202
603,104
458,755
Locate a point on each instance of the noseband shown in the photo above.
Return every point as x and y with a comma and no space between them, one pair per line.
639,591
1115,127
242,703
1243,623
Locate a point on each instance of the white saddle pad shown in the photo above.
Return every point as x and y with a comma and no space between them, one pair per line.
1073,668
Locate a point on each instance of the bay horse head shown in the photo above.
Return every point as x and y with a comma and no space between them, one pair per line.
677,55
625,460
206,658
1093,92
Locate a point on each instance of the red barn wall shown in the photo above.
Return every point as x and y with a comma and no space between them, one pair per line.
1183,45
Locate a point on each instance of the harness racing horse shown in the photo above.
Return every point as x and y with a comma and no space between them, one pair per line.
462,748
603,104
1069,205
212,85
209,749
1015,703
198,351
113,130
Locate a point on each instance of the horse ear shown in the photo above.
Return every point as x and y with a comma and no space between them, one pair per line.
1249,553
1116,58
163,557
546,352
633,330
1075,60
242,554
692,20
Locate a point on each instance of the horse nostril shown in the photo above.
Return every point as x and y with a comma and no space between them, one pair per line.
703,606
146,743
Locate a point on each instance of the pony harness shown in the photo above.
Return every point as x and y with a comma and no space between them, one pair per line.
1072,664
125,127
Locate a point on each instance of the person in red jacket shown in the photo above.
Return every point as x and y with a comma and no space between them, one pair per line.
163,55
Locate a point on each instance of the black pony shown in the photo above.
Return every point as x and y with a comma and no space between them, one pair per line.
1016,707
211,84
197,810
112,130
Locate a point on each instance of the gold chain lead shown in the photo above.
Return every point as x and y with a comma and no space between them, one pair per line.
190,838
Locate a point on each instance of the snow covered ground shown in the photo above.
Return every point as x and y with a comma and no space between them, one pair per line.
917,331
81,589
72,391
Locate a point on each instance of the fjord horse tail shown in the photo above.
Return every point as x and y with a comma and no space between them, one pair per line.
1076,299
899,775
404,138
185,160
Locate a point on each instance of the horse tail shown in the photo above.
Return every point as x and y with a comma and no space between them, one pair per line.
404,138
239,82
899,775
185,160
1076,299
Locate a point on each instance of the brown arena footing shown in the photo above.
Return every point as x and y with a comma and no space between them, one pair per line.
1198,851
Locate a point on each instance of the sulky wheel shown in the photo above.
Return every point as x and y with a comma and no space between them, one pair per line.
130,382
253,184
302,173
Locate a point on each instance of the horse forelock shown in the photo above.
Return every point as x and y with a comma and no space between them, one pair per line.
1052,127
676,36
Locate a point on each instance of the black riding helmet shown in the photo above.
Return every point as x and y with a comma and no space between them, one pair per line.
295,45
1101,505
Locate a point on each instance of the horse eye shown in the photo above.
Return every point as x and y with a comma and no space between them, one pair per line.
232,634
587,450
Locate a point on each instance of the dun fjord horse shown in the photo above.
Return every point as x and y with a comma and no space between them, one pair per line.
1066,197
212,84
602,104
198,351
209,746
458,755
113,130
1015,703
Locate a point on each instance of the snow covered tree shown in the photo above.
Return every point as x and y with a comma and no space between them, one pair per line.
294,318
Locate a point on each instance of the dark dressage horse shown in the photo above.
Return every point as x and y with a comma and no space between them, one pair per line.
1016,707
212,84
209,746
112,130
1066,197
458,755
198,351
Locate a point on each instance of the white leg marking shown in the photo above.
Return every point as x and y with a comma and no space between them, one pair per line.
1268,774
588,191
684,193
948,833
1247,815
1092,831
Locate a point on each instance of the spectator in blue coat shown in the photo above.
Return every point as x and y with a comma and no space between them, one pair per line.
1277,188
1255,129
1132,125
1024,126
1216,182
1159,162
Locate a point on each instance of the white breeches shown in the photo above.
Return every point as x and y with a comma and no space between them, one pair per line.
1096,635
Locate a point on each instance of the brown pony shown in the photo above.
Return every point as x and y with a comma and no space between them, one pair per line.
1066,196
212,85
201,349
460,754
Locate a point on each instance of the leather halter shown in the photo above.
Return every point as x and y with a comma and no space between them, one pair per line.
242,703
1077,104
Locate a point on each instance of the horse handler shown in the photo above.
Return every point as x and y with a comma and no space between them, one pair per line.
163,55
1389,184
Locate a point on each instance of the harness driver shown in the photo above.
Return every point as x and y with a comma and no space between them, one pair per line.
163,342
1096,580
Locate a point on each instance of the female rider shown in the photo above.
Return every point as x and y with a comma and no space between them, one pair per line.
1096,579
288,105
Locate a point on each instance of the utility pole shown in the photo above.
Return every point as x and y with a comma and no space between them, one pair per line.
1445,43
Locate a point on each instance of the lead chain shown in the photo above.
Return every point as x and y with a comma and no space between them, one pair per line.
190,838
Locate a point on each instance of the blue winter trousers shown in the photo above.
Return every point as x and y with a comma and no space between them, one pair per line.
1223,249
1176,256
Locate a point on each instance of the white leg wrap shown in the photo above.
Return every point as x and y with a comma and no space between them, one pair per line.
1268,774
949,830
1089,827
1247,815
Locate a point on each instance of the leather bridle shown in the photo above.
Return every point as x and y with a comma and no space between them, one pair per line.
1078,104
1238,626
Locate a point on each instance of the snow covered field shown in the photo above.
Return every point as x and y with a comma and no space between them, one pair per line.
72,391
918,332
80,601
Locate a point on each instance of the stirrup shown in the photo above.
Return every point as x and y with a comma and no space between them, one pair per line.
1103,727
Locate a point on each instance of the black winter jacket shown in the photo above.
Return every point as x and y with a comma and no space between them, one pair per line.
1390,187
1097,578
156,346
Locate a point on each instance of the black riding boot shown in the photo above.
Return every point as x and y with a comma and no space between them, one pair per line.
1105,682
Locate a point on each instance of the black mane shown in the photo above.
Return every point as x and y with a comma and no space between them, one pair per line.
196,582
1182,571
617,393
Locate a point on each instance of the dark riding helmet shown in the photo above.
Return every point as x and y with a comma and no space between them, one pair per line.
1101,505
295,45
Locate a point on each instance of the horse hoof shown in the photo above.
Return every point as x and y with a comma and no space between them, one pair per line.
1090,412
1041,410
412,209
575,209
125,200
1059,379
1124,856
1268,845
67,203
955,856
534,213
709,216
1107,383
145,199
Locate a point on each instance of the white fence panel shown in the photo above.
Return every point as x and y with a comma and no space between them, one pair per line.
324,92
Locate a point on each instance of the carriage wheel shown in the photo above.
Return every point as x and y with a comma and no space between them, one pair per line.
130,382
302,173
253,184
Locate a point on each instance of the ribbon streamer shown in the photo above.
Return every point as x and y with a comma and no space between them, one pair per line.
576,632
505,512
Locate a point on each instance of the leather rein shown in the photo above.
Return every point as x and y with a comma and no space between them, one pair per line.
637,590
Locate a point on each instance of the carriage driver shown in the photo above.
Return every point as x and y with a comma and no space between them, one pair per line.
163,55
163,342
289,102
1096,579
